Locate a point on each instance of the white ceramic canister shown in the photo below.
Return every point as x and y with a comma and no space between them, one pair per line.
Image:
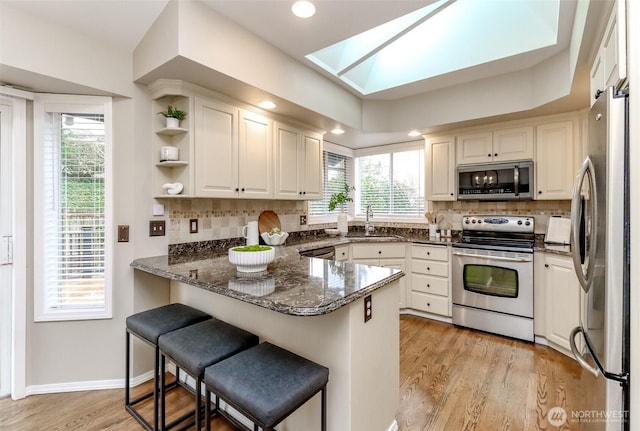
432,230
250,232
169,154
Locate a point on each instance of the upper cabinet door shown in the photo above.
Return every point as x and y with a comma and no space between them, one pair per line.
475,148
312,184
554,161
255,156
440,168
288,144
513,144
215,149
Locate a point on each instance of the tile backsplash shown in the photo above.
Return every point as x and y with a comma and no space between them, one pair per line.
224,218
540,210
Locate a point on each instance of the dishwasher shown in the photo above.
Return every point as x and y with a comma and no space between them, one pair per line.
321,253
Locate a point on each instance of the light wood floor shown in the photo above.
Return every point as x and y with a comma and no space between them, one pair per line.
450,379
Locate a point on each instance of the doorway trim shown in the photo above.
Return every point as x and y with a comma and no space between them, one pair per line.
17,99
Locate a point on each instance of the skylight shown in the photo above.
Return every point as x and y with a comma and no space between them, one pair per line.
446,36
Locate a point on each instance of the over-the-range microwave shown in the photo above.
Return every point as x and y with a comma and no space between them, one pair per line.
496,181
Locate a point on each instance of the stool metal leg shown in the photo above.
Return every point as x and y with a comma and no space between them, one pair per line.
323,425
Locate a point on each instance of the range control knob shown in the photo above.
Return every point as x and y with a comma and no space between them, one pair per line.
519,222
467,221
473,221
527,223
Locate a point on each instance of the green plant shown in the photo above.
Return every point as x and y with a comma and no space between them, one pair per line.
340,198
173,112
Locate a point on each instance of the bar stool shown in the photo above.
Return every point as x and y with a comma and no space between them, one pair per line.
266,384
148,326
193,349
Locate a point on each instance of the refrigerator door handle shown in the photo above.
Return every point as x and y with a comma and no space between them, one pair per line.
574,349
586,171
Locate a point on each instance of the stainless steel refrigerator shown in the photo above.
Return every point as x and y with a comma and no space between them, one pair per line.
599,244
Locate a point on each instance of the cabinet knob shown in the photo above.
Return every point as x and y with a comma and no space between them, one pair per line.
598,93
539,192
242,189
304,193
495,155
428,253
428,304
299,193
428,286
237,189
428,268
546,265
489,155
379,251
451,194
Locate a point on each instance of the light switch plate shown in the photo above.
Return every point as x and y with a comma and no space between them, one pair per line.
193,225
157,228
123,233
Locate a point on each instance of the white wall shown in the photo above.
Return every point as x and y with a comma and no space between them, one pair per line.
76,354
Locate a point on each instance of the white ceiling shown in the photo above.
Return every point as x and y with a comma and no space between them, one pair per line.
124,23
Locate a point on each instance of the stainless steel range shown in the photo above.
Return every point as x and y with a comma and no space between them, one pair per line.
492,275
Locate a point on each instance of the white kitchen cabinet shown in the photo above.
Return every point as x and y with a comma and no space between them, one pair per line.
298,166
430,281
440,167
556,282
610,64
255,164
513,144
502,145
233,152
389,255
474,148
342,253
554,160
216,152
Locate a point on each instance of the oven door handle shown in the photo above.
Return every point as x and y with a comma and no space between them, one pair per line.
507,259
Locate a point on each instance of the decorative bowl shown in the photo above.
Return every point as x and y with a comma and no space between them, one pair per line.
274,238
332,232
251,258
253,284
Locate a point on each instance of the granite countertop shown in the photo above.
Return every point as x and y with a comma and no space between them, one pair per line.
292,284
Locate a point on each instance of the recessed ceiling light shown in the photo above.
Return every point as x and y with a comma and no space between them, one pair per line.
266,104
337,131
414,133
303,9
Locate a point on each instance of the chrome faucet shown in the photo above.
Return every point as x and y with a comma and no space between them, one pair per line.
368,227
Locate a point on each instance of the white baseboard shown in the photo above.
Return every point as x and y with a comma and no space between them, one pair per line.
431,316
92,385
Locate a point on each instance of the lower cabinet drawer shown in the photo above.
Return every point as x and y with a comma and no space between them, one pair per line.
430,303
427,284
429,267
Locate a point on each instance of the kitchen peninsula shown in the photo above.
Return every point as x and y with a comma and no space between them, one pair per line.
315,308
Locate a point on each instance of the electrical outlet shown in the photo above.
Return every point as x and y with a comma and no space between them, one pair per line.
303,220
368,308
123,233
156,228
193,225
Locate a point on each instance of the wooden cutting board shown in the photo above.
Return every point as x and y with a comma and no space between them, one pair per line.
267,221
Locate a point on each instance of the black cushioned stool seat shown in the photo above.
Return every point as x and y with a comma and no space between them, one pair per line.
266,384
149,325
195,347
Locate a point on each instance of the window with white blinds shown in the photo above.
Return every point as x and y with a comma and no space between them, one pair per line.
392,183
337,172
72,209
